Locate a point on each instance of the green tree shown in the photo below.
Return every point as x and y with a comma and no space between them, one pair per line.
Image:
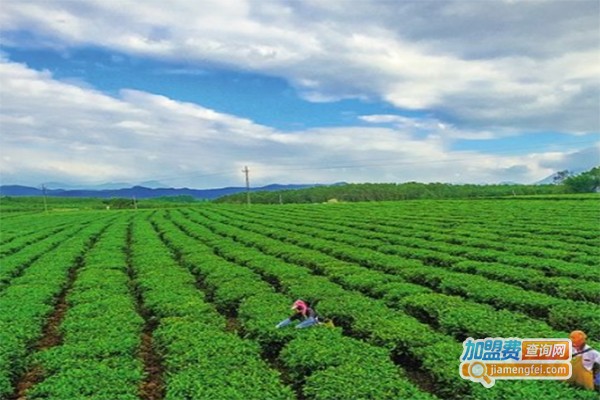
586,182
561,176
119,203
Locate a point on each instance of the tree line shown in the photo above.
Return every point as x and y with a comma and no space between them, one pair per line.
586,182
583,183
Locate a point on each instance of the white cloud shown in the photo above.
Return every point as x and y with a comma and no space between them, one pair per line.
56,131
433,127
523,65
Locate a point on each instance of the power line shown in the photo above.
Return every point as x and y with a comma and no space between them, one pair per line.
365,163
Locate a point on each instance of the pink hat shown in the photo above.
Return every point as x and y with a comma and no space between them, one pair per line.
300,305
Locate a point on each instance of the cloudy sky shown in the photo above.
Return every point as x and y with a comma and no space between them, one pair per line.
187,93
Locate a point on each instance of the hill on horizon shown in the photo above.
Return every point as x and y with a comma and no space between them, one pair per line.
142,192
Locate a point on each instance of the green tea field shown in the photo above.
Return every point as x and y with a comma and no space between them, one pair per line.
182,302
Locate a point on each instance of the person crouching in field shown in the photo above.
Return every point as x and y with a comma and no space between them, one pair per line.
583,360
303,312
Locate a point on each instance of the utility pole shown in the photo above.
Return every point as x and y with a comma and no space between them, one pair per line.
246,172
45,203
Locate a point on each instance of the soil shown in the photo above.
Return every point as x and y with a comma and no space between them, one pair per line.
232,325
51,337
152,387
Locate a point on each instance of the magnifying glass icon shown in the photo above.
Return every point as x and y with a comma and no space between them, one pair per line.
478,371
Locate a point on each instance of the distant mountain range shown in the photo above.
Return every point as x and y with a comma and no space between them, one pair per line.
153,189
139,192
103,186
550,179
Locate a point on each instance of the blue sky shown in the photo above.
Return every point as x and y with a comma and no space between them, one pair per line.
267,100
301,92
